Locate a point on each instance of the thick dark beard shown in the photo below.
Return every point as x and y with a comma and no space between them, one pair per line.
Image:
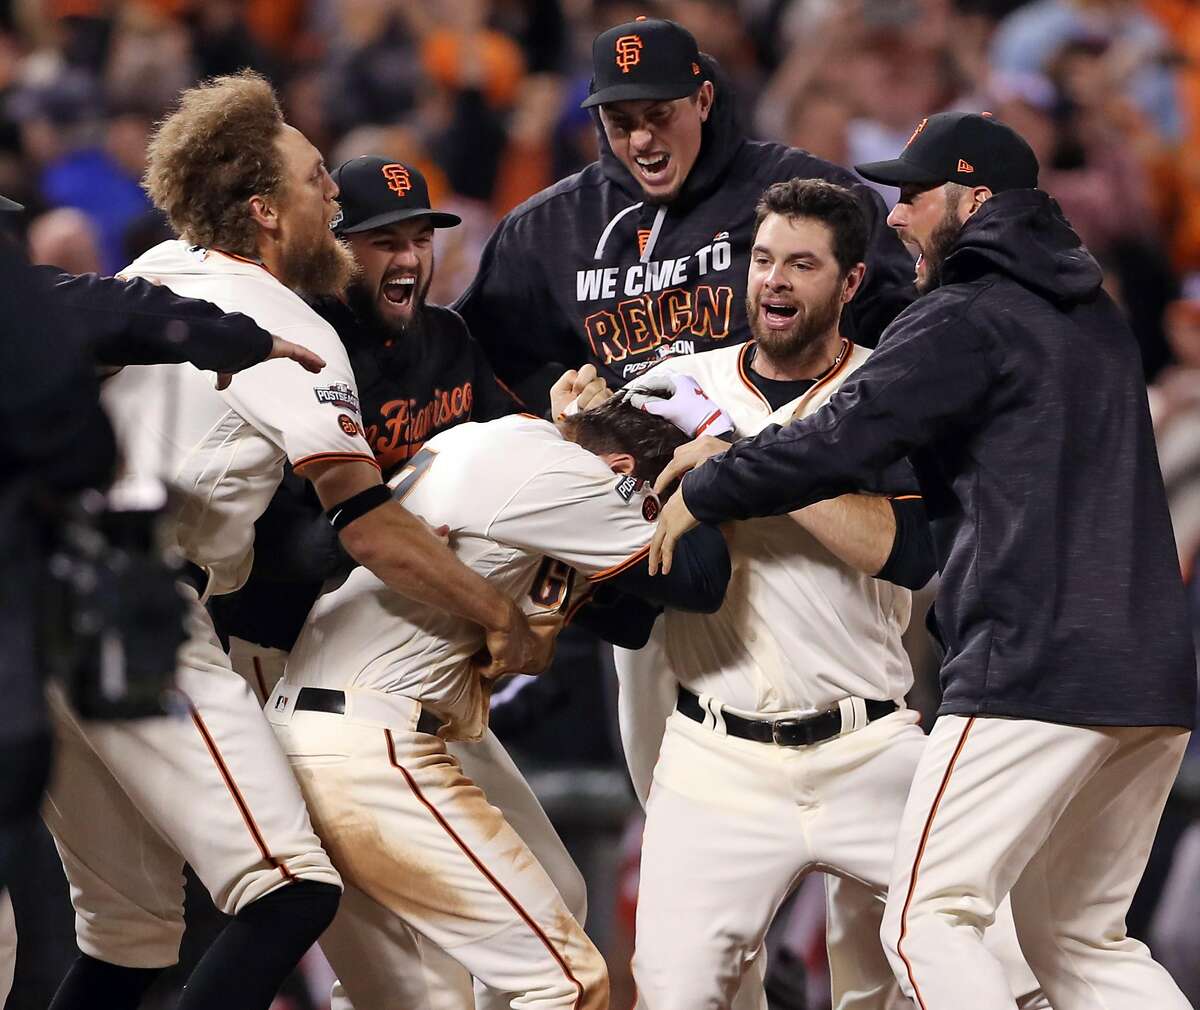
937,249
321,269
365,305
806,330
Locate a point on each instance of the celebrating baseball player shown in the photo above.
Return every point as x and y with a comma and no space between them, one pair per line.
790,748
252,201
418,372
377,684
1069,679
643,253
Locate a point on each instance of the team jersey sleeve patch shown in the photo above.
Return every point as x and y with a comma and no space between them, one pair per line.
307,419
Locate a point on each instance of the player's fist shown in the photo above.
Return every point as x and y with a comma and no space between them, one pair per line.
577,391
519,647
681,401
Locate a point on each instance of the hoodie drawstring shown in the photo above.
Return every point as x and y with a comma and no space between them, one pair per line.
654,230
609,227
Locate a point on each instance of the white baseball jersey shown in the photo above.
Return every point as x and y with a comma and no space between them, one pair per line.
225,450
799,630
524,507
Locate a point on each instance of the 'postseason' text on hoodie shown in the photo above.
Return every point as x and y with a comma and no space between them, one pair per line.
587,270
1016,390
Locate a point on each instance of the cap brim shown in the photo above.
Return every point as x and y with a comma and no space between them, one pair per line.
7,204
438,218
896,172
634,92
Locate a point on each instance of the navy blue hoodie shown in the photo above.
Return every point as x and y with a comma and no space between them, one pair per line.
1017,392
586,271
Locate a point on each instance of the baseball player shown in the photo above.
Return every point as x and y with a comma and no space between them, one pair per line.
376,685
1069,681
417,371
643,254
789,749
130,803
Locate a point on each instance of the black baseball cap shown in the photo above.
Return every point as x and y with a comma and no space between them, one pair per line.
7,204
970,148
644,59
376,191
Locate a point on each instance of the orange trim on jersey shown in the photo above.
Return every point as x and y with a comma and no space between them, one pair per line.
905,497
621,566
243,259
912,883
478,863
742,366
258,675
532,417
839,363
836,369
321,457
243,807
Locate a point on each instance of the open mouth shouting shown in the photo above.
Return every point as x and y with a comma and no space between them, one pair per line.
653,168
776,313
400,290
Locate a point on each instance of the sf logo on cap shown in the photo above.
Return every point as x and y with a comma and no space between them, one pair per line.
397,179
629,52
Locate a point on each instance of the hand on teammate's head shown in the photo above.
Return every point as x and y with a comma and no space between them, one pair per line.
680,400
577,390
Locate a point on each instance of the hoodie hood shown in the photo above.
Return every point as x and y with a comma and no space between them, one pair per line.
721,138
1022,233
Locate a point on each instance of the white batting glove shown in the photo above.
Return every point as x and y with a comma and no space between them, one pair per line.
680,400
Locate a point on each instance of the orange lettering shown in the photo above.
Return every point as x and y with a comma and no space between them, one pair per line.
675,311
711,315
640,329
604,334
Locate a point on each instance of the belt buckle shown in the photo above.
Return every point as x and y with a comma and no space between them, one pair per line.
781,726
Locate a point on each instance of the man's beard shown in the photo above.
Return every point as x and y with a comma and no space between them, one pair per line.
365,305
938,247
318,267
806,331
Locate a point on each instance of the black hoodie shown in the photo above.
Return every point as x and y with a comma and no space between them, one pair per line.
1017,391
585,271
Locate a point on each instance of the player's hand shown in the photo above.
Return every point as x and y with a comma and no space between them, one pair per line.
673,522
680,400
687,457
576,391
521,646
310,361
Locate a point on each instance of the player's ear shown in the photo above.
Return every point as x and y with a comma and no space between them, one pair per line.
264,213
619,462
853,281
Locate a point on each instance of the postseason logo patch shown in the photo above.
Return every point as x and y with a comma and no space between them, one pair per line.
339,394
626,487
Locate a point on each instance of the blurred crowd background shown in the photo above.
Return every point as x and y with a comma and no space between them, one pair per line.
483,96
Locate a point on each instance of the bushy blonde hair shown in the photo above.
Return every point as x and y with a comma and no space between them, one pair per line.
214,152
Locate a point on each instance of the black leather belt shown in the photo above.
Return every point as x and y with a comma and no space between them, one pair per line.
784,732
323,699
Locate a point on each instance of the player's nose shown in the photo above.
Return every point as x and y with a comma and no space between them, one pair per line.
405,256
898,218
